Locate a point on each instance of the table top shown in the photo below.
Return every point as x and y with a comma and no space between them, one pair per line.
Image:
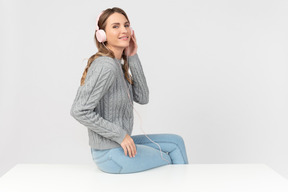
191,177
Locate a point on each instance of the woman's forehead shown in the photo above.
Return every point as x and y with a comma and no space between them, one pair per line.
117,18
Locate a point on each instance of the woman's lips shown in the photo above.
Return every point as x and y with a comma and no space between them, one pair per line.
124,38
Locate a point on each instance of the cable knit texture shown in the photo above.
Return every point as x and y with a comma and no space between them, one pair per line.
102,104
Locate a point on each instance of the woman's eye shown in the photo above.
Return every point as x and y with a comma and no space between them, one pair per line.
117,26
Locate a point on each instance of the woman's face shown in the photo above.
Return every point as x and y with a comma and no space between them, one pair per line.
118,27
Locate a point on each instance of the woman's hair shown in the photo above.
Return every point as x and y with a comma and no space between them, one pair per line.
102,50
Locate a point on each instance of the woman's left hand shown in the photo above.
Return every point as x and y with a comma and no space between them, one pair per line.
132,48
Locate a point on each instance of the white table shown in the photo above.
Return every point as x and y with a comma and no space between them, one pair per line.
179,178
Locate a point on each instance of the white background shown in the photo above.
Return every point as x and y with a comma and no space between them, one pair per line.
216,71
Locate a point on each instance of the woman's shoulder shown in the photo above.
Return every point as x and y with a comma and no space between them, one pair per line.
104,61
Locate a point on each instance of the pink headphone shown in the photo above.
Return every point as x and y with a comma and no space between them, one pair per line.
100,33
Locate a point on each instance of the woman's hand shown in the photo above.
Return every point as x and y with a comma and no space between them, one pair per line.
132,48
128,145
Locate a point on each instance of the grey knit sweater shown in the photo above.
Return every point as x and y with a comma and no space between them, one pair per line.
102,103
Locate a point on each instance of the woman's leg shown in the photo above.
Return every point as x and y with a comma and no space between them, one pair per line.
170,143
115,161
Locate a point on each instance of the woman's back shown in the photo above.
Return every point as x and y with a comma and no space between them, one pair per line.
103,105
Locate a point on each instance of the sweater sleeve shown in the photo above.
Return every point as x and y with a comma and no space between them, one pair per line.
97,82
139,86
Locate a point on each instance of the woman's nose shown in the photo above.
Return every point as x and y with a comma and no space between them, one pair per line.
124,29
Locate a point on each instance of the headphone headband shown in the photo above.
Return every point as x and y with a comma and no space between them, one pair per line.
97,27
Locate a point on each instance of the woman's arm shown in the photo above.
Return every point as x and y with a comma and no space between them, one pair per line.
99,78
139,86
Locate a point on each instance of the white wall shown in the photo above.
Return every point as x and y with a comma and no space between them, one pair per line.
216,71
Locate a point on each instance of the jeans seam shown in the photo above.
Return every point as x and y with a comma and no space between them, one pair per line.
117,164
100,155
110,159
165,142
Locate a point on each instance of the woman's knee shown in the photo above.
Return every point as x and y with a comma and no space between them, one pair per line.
176,139
181,144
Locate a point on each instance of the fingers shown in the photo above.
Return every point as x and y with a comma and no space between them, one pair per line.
134,38
131,148
135,41
134,35
128,146
125,151
134,152
130,151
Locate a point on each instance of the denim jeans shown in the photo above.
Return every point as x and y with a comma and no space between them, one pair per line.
148,154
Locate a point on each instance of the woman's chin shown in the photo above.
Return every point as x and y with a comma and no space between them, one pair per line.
124,45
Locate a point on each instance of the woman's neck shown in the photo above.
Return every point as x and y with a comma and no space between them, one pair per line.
117,51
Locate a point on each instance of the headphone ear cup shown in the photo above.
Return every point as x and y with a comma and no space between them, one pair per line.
132,31
101,35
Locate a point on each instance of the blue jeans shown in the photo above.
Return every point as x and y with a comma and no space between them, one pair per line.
148,154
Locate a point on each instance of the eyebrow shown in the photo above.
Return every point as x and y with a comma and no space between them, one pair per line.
119,23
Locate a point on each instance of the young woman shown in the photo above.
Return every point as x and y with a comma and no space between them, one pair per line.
104,103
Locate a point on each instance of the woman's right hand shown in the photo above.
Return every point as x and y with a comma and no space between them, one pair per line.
128,145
